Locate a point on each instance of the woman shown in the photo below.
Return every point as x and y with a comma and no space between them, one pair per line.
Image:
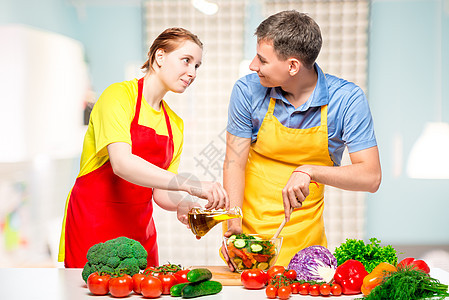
131,154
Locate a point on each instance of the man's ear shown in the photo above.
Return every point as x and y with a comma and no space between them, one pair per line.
159,57
294,65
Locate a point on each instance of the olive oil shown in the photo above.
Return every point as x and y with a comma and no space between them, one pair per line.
201,220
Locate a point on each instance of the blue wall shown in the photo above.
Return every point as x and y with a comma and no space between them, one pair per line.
112,34
403,95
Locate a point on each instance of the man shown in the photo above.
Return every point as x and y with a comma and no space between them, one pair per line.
288,125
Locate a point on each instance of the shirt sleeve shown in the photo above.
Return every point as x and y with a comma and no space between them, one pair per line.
111,118
239,112
358,124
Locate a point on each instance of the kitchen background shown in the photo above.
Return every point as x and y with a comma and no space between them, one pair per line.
57,56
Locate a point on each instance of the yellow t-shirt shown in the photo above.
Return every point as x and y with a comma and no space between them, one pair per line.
110,122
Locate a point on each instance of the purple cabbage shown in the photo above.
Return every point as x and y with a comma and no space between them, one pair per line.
315,263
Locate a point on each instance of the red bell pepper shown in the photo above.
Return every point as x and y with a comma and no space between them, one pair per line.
414,264
350,276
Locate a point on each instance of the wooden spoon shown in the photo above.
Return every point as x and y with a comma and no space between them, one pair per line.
282,225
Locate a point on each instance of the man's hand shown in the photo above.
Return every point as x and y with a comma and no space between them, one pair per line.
295,191
234,227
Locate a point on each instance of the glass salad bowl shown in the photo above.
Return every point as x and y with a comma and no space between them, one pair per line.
250,251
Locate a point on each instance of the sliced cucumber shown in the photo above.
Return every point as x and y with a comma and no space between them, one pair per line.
257,238
256,248
239,243
231,238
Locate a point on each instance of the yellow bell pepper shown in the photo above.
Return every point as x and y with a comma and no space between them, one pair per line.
376,277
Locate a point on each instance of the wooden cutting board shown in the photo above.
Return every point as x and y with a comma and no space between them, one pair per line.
222,274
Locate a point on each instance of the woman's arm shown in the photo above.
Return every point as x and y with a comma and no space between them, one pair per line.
138,171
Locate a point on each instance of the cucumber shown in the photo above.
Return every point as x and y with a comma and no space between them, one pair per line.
231,238
176,290
200,274
256,248
202,288
239,243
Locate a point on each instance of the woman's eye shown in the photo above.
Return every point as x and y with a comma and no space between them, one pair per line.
186,60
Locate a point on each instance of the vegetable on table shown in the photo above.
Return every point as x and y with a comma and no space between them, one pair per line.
98,284
350,276
408,284
314,263
414,264
370,255
253,279
121,286
202,288
151,287
200,274
120,255
376,277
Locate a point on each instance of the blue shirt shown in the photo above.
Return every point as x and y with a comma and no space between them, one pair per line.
349,118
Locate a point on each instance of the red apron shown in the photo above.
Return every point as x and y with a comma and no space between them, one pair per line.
103,206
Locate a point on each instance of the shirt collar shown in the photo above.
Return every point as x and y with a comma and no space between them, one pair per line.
319,97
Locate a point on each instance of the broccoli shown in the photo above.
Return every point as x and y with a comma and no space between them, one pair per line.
120,255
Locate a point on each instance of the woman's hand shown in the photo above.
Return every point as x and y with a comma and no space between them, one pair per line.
183,209
213,192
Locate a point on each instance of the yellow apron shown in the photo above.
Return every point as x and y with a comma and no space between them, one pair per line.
272,158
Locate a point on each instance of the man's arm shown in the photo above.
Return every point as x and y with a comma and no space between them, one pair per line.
237,150
364,174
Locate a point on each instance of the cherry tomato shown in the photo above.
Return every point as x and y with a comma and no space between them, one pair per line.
137,279
98,285
271,291
151,287
275,270
304,288
336,289
253,279
325,289
314,290
290,274
295,287
284,292
181,276
167,280
121,286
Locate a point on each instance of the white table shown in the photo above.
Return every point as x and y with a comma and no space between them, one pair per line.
67,284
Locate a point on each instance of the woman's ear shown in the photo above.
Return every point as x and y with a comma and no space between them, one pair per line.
159,57
294,65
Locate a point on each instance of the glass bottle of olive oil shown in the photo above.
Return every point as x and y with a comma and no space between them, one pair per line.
203,220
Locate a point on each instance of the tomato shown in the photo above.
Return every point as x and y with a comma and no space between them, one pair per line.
325,289
275,270
336,289
271,291
151,287
314,290
253,279
290,274
181,276
284,292
167,280
295,287
304,288
98,284
121,286
137,279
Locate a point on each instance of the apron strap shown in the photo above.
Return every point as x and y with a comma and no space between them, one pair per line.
167,121
139,101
